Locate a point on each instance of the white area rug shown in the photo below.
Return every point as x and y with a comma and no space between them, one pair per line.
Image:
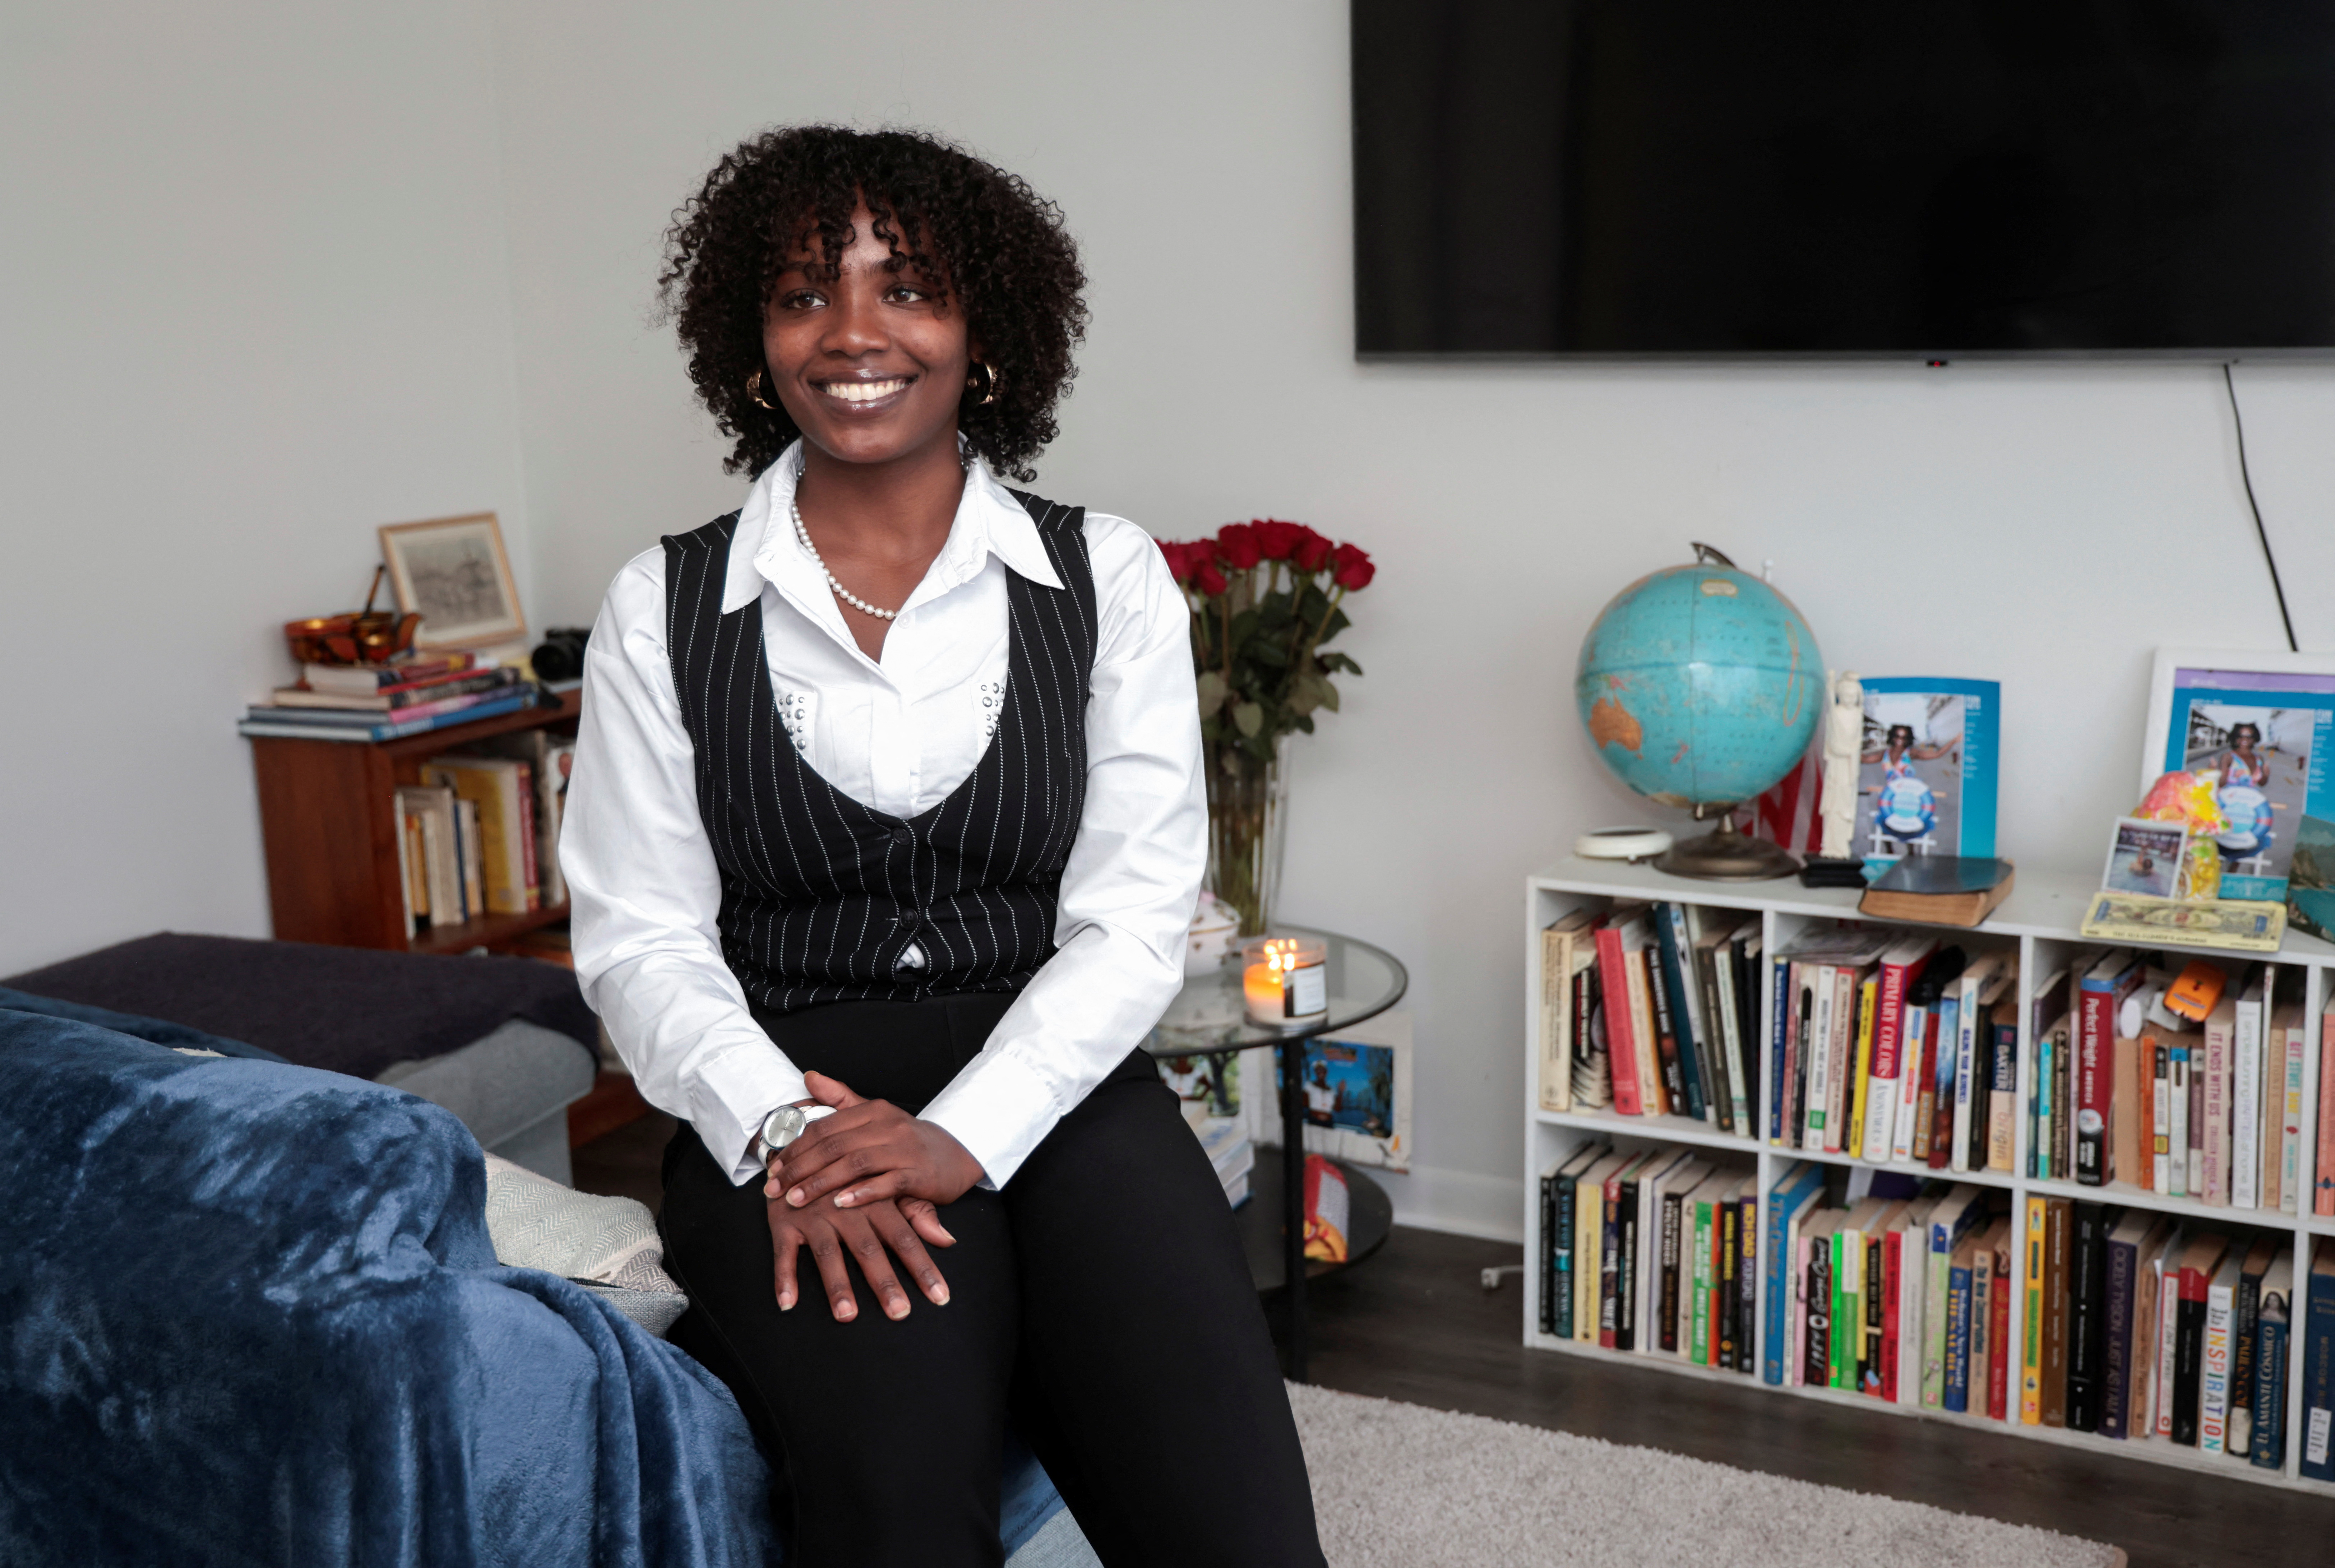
1402,1487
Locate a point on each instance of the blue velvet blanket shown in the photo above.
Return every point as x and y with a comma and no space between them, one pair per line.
251,1316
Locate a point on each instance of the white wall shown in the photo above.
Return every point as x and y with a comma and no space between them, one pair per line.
253,302
293,326
2042,526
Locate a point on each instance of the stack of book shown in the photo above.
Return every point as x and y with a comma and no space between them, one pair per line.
1899,1292
480,834
385,701
1654,1252
2127,1089
1652,1010
1229,1150
2142,1328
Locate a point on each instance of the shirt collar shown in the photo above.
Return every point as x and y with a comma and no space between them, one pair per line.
764,549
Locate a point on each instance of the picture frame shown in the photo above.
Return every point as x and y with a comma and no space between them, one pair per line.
2201,703
2144,857
456,575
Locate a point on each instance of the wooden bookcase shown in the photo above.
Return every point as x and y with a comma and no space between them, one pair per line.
328,819
2039,920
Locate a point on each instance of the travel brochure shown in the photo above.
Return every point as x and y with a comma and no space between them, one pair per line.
1927,768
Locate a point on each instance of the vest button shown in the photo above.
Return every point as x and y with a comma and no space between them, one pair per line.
903,837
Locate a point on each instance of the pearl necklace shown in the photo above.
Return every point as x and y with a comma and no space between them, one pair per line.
846,595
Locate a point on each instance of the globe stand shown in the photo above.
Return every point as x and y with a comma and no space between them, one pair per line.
1723,854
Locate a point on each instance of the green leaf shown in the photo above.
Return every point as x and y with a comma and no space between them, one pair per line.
1265,652
1248,718
1212,692
1305,723
1338,622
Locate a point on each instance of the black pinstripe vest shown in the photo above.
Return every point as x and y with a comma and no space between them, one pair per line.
821,895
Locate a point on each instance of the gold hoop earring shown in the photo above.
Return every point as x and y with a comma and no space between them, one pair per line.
989,382
754,391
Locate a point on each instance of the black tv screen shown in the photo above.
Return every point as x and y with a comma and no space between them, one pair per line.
1813,177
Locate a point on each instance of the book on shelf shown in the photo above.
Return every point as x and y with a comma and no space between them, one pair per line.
2322,1179
2213,1390
549,760
2267,1447
2246,1046
1897,968
2245,1309
502,791
1619,936
2201,1261
2317,1352
1561,953
1939,890
1559,1238
2099,997
2087,1318
363,680
1686,1065
264,721
438,694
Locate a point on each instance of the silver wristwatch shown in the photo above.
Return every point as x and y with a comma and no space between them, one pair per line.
788,1123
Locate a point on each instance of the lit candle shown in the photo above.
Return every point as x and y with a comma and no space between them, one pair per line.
1282,980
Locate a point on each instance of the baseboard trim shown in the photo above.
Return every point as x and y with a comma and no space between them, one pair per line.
1462,1203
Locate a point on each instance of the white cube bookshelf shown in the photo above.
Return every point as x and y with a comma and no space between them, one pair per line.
2039,920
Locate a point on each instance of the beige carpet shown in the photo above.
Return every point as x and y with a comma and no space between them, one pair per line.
1402,1487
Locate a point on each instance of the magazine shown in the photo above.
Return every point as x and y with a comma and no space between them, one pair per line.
1926,782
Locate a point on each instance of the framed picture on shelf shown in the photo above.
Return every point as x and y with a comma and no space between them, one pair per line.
2144,857
454,573
2264,724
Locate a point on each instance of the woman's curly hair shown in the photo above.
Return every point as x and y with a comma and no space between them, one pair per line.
990,245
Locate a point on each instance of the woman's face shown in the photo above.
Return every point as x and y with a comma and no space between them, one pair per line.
870,364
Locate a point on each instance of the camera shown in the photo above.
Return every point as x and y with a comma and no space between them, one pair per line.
560,655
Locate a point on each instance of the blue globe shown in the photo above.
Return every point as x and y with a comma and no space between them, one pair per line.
1699,685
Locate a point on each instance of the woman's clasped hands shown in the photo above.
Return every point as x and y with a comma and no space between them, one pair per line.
865,1183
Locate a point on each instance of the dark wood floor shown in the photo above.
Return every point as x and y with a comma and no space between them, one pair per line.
1414,1323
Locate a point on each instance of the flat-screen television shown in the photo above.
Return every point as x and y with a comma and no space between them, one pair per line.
1708,177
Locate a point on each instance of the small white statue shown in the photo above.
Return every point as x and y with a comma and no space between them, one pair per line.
1843,741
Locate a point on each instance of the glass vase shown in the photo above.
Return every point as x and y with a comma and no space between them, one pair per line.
1248,804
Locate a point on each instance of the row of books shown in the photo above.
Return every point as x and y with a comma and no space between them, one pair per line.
480,834
1653,1008
385,701
2128,1089
1894,1048
1651,1250
2145,1327
1881,1289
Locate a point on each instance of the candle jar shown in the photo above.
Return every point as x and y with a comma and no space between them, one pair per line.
1284,980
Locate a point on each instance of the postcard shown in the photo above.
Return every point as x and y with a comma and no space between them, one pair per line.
2144,857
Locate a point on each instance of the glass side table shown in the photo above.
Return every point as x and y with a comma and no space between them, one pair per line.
1208,1019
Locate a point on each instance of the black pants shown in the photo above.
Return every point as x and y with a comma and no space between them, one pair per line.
1100,1302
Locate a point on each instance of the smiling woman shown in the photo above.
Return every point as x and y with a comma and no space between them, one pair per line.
885,828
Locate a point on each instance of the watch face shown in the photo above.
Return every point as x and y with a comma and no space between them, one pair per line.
782,1126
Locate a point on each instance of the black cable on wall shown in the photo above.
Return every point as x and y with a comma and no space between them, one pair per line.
2230,385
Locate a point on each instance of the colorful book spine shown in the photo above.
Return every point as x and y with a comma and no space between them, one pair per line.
2269,1448
2246,1040
2322,1180
2030,1330
1613,971
2001,1350
1785,1202
2221,1040
2319,1362
2095,1023
1955,1392
1780,1026
2003,1095
1680,1070
2116,1391
2213,1393
1860,1076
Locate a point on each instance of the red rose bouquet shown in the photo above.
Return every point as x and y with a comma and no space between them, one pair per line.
1265,596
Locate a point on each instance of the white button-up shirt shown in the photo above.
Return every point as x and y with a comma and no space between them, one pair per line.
899,735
